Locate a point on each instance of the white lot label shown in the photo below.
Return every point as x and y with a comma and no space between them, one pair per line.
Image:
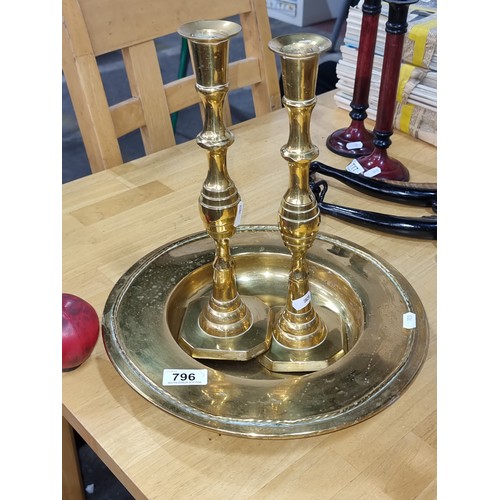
372,172
354,145
409,320
299,304
239,214
355,167
185,377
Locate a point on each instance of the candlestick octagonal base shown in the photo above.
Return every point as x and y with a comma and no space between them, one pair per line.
237,346
280,358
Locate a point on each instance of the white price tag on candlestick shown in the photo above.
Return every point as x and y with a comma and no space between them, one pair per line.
409,320
185,377
239,214
354,145
302,302
355,167
372,172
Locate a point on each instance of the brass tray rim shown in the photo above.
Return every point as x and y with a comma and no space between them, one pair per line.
357,412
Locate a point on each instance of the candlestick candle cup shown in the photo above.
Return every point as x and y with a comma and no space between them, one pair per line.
301,339
224,325
356,140
378,163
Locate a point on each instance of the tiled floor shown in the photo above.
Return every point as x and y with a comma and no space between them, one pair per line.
99,482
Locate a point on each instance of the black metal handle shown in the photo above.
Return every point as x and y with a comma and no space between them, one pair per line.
413,227
424,195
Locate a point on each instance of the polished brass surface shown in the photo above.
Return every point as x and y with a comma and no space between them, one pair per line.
222,326
246,346
301,340
368,298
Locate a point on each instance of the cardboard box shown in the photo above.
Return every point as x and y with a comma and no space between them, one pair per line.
301,12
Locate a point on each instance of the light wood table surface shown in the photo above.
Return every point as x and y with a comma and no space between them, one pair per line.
113,218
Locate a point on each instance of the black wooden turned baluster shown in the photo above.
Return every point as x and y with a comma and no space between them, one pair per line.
355,140
395,29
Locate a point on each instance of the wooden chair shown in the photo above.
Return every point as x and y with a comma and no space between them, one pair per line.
92,28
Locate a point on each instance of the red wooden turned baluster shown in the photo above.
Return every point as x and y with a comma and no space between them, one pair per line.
380,165
355,140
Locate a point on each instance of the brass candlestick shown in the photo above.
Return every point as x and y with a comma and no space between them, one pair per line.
224,325
301,339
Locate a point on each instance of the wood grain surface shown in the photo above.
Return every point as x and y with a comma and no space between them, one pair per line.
113,218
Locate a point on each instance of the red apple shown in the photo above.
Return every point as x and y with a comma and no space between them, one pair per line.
80,330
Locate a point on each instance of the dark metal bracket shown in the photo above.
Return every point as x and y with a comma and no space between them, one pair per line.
418,194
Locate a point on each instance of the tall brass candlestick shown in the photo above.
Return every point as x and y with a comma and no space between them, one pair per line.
224,325
301,339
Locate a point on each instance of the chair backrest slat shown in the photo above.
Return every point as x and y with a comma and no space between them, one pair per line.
114,24
146,84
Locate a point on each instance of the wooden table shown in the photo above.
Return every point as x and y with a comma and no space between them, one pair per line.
113,218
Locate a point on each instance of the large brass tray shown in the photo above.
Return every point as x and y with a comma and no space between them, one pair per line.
365,296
